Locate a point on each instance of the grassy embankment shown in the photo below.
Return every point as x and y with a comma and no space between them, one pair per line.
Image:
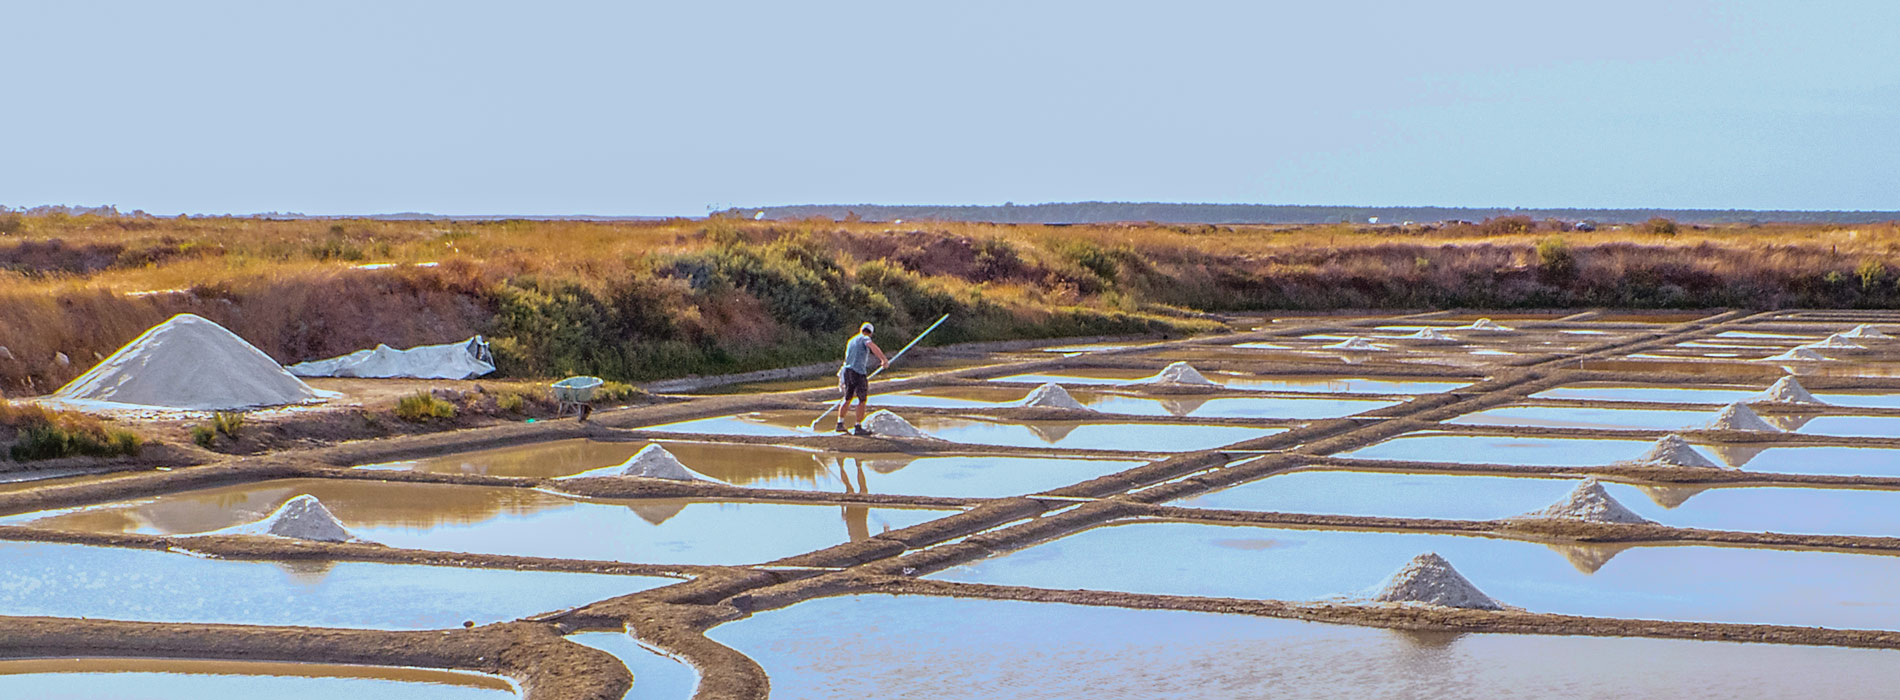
644,300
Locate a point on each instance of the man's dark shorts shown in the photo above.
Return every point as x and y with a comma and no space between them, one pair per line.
854,384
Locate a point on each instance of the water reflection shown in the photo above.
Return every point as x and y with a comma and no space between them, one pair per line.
183,679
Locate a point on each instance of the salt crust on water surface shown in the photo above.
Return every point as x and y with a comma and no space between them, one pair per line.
1051,395
1738,416
651,462
1178,373
1672,451
889,424
189,363
1430,580
1355,343
300,518
1787,390
1589,503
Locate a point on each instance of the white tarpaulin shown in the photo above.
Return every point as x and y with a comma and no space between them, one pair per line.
465,360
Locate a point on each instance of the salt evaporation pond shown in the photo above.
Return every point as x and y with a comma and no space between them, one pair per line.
1816,511
868,646
1689,583
1138,437
655,675
183,679
501,520
65,580
1667,419
1270,407
1435,446
1316,384
779,467
1592,391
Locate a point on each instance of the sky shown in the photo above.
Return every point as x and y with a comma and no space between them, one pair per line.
677,108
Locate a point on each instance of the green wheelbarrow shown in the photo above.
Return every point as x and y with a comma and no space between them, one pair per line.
576,394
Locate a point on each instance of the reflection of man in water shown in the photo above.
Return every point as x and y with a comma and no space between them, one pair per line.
854,378
857,519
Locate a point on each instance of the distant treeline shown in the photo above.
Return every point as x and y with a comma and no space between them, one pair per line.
1162,212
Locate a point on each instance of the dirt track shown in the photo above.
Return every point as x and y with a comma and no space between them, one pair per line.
674,617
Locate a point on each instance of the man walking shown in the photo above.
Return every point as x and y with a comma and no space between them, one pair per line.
854,378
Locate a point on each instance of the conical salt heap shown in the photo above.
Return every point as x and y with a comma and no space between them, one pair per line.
1797,354
1178,373
300,518
1589,503
1051,395
889,424
1864,331
1431,335
1787,390
1738,416
1356,344
1834,342
1429,579
1485,324
191,363
1673,451
655,462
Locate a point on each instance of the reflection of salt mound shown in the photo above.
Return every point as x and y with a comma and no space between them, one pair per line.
1790,422
889,424
1589,503
1587,558
1670,496
1787,390
1672,451
1182,405
1356,344
1429,579
1051,396
1864,331
658,512
1052,433
189,362
301,518
1485,324
1430,335
1738,416
1736,456
1798,354
1834,342
1178,373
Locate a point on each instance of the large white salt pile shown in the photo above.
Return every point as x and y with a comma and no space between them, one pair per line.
1355,344
889,424
1798,354
1485,324
1051,395
651,462
1787,390
188,362
1178,373
1589,503
1738,416
1673,451
1833,342
1429,579
1430,335
300,518
1864,331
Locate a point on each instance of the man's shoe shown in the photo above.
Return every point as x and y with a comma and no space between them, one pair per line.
861,432
841,428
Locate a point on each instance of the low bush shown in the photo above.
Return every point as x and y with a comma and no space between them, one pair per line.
422,407
44,434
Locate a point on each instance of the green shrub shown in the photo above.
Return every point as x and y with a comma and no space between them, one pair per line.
617,392
510,401
1554,257
228,422
43,434
204,435
1660,226
1870,272
422,407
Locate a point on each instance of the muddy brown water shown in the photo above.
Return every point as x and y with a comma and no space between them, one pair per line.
514,521
69,580
1684,583
182,679
903,647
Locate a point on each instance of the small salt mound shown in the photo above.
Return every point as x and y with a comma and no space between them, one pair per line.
1673,451
889,424
1798,354
1833,342
1787,390
1485,324
1738,416
1178,373
1589,503
1356,344
1429,579
1432,335
1051,395
1865,331
654,462
301,518
189,362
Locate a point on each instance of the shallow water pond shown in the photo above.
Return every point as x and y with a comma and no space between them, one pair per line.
1471,497
1271,407
1695,583
181,679
1141,437
499,520
1669,419
1311,384
1593,391
887,647
66,580
656,676
1432,446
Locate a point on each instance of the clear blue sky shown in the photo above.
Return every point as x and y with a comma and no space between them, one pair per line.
551,108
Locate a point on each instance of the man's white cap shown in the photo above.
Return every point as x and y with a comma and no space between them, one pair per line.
867,327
